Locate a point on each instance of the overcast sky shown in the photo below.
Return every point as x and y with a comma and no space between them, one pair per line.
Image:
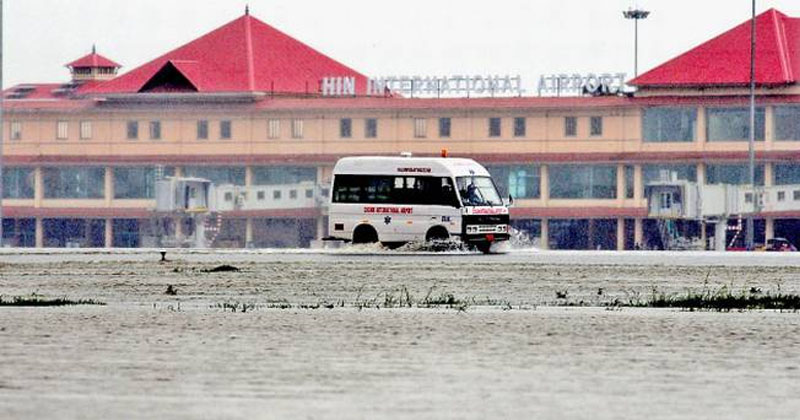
410,37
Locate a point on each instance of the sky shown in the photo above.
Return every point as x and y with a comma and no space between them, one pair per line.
529,38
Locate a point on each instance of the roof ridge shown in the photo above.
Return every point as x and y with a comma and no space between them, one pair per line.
783,47
248,35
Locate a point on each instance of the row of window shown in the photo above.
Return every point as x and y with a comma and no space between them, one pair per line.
276,195
521,181
137,182
659,124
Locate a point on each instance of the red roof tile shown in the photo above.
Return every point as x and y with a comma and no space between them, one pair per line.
725,60
93,59
245,55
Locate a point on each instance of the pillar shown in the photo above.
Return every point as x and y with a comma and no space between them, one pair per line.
701,174
248,232
769,229
109,186
321,228
621,184
108,239
544,241
620,234
248,176
701,127
178,221
38,187
720,231
703,235
544,185
638,231
39,232
769,176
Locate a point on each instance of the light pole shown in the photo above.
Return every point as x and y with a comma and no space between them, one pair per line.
752,140
636,15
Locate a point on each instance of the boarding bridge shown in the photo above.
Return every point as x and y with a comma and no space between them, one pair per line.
205,203
670,198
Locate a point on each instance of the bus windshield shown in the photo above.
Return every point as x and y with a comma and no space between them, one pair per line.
478,191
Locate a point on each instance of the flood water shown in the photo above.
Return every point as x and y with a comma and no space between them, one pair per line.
511,349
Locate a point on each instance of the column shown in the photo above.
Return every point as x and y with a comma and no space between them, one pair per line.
544,241
703,236
109,186
321,233
248,232
701,127
248,176
178,221
544,185
769,127
720,231
38,187
39,232
701,174
769,176
621,184
620,234
638,231
108,239
769,228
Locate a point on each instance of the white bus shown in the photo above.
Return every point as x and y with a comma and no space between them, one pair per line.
395,200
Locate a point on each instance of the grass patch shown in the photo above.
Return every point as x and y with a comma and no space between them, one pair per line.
35,300
722,299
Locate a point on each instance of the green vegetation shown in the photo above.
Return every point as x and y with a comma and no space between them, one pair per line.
37,300
722,299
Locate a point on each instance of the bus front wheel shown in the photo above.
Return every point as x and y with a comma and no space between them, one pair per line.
365,234
484,247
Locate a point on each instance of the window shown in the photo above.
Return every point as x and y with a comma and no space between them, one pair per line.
596,126
15,130
787,123
155,130
420,128
748,197
570,126
371,128
796,195
219,175
133,130
228,196
583,182
283,175
781,195
276,195
62,130
134,182
293,194
519,127
261,195
202,130
309,193
394,190
18,183
274,129
444,127
86,130
345,128
519,181
786,173
736,174
297,129
72,182
225,129
494,127
665,202
665,124
733,124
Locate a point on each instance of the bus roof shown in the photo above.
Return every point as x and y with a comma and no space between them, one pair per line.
390,165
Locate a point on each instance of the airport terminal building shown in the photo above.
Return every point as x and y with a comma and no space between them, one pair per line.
250,107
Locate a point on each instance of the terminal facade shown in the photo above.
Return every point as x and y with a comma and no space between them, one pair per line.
243,106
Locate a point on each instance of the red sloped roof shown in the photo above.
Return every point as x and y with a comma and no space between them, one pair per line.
245,55
725,60
93,59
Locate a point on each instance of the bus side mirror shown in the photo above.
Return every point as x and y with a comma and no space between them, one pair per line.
510,200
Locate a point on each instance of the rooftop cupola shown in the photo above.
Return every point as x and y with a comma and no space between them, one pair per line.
93,66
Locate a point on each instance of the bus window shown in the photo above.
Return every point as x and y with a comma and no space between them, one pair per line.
478,191
394,190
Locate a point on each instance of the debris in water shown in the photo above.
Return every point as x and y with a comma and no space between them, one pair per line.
225,268
171,290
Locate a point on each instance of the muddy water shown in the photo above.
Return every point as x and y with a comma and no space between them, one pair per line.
509,353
